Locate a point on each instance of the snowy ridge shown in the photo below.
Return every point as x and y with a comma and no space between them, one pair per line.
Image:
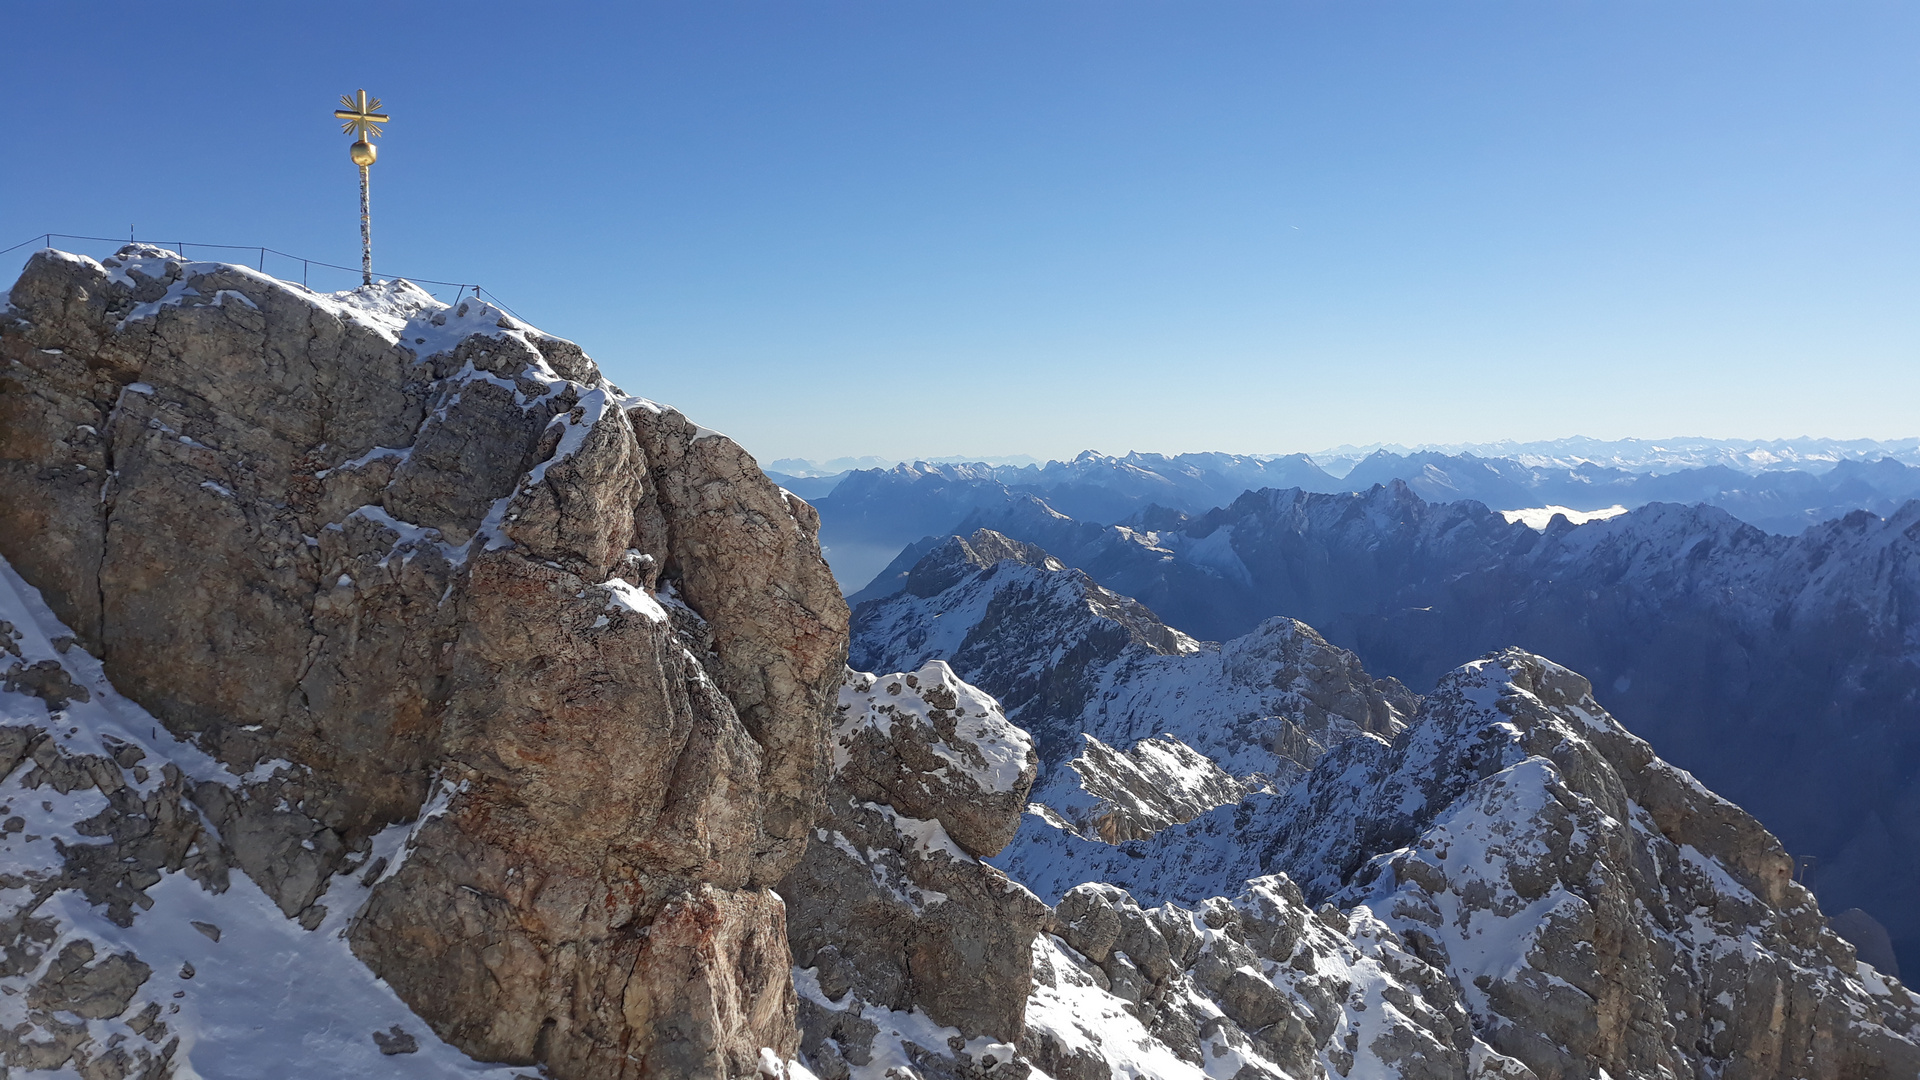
1139,726
398,310
1781,669
869,516
1509,883
1119,795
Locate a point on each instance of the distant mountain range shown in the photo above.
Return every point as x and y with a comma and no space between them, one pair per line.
1632,455
1655,455
869,515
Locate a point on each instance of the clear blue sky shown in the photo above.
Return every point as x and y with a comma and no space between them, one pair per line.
907,228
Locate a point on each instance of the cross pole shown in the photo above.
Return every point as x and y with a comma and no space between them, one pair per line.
363,120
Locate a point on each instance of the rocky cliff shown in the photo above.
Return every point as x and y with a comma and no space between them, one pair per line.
1513,887
390,561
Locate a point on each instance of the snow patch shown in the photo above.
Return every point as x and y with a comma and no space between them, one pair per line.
623,595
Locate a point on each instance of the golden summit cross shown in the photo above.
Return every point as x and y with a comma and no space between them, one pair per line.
363,120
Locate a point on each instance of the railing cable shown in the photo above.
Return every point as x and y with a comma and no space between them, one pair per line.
306,264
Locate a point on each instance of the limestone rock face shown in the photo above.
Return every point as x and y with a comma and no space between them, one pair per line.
893,916
429,557
129,949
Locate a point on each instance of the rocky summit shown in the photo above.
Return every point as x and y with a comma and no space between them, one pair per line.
392,563
384,693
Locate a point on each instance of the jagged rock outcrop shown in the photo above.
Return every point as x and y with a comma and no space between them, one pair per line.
1139,726
428,553
1119,795
1257,988
910,950
1597,908
1651,927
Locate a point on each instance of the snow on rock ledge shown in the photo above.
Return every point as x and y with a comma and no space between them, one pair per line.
1600,908
932,746
1257,988
1514,886
1596,908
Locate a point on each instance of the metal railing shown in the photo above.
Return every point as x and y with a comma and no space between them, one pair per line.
306,265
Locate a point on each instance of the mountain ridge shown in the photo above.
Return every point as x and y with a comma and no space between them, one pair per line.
1777,668
1576,856
869,515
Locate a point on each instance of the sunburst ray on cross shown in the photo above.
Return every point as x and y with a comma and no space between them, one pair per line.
362,116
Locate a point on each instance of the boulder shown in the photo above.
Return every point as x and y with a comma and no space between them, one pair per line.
892,911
